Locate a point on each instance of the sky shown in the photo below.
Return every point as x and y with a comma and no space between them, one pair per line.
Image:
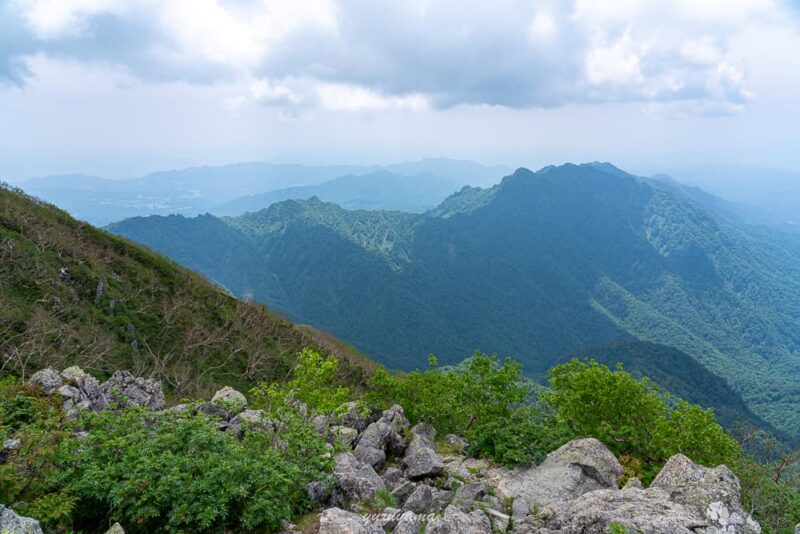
118,88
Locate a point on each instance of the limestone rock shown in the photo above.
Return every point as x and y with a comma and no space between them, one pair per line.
580,466
230,399
123,389
357,480
421,459
714,493
11,523
454,521
338,521
48,380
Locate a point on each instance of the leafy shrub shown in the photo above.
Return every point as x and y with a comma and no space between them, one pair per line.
169,472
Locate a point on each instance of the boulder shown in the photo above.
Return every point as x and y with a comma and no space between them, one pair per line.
352,415
467,494
457,443
230,399
580,466
425,430
519,510
91,394
634,482
371,456
338,521
420,501
71,375
408,523
714,493
395,417
376,435
421,459
248,421
357,480
454,521
116,528
402,491
48,380
343,434
124,390
392,478
322,424
11,523
594,512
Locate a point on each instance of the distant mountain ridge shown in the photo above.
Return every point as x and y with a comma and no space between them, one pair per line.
534,267
236,188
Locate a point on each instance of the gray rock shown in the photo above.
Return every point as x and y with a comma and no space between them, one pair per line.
338,521
469,493
519,510
371,456
116,528
48,380
376,435
91,394
230,399
123,389
11,523
457,443
402,491
648,511
634,482
714,493
441,500
424,430
343,434
352,415
391,517
420,501
357,480
396,445
396,418
580,466
318,492
408,523
392,478
454,521
71,375
323,423
421,459
12,444
214,410
249,421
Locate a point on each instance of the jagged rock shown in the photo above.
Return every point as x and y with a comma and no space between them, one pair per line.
402,491
371,456
395,417
230,399
11,523
10,445
469,493
454,521
424,430
408,523
91,394
457,443
123,389
421,459
71,375
344,434
116,528
441,499
48,380
634,482
71,395
580,466
352,416
714,493
318,492
322,424
250,420
519,510
376,435
357,480
420,500
648,511
214,411
338,521
392,478
396,445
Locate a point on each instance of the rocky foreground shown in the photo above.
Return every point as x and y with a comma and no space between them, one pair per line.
394,478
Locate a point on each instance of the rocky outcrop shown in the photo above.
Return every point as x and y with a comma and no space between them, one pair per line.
580,466
338,521
712,493
230,399
357,480
11,523
125,390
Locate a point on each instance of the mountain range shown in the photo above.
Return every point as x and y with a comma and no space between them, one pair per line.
534,267
234,189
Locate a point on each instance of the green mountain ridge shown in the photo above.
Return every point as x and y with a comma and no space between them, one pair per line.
534,267
76,295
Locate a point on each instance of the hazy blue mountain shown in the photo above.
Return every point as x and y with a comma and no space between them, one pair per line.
198,190
534,267
381,190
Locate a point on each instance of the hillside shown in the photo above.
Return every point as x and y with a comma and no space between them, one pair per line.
380,190
535,267
76,295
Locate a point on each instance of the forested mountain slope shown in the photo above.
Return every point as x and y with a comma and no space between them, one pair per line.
73,294
534,267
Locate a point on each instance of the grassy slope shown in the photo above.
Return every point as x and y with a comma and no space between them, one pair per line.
73,294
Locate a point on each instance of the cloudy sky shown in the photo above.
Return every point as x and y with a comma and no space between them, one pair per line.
122,87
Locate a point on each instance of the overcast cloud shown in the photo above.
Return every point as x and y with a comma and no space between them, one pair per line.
251,65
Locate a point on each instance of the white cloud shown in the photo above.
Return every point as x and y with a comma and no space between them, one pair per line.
348,97
617,63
